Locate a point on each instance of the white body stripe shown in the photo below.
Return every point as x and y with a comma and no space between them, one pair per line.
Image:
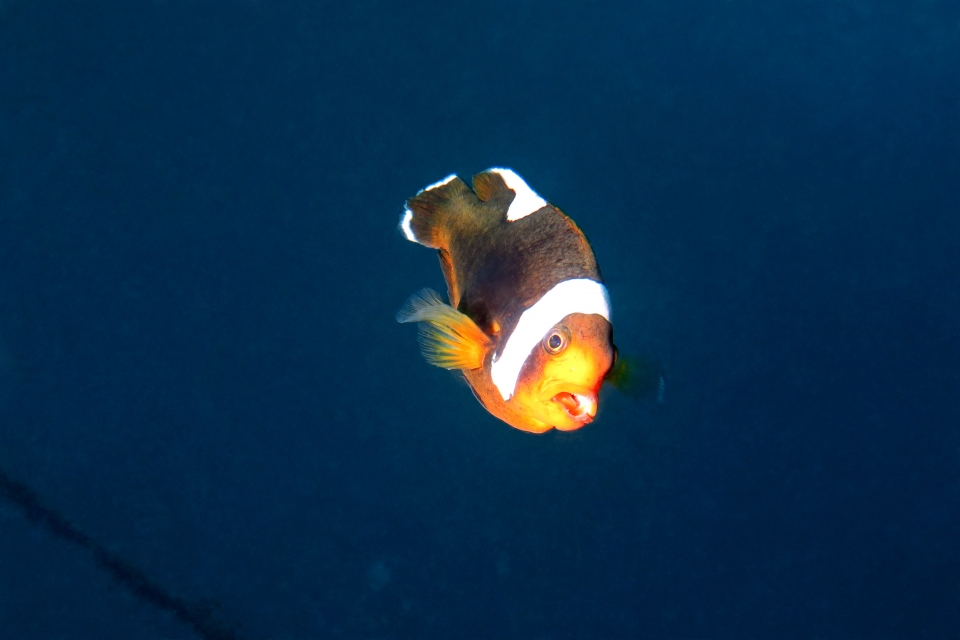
527,200
570,296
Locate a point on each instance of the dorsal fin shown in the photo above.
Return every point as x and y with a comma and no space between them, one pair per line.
488,184
424,220
448,338
508,190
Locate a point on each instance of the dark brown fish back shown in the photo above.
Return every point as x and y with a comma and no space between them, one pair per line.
446,211
504,267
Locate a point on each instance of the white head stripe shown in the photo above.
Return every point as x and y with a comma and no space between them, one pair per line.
571,296
527,200
405,225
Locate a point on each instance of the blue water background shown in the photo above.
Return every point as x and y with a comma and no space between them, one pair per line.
199,366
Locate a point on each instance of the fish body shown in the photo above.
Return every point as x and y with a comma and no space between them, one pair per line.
528,319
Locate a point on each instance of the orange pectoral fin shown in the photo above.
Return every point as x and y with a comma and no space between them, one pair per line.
448,338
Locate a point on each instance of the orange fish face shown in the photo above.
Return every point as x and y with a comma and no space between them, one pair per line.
559,382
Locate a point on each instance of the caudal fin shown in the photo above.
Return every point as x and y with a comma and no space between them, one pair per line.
424,219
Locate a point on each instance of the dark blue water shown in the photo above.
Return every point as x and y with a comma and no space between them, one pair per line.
199,366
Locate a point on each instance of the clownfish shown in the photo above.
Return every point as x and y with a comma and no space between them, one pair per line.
528,319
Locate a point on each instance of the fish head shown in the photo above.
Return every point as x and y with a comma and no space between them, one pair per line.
561,378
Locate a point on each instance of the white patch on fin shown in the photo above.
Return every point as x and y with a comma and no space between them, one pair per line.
579,295
527,200
405,225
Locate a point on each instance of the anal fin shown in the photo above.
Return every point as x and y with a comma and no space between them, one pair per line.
448,338
449,274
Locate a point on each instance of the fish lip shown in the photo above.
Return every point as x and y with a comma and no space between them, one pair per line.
578,402
581,407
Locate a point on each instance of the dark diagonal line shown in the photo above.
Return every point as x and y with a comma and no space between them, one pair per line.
198,615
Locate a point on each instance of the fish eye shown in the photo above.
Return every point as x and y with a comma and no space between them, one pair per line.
557,340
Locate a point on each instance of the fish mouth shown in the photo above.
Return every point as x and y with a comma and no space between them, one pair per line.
582,407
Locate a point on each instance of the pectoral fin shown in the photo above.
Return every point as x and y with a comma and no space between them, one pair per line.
448,338
637,377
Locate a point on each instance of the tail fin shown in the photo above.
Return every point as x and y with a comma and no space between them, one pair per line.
423,220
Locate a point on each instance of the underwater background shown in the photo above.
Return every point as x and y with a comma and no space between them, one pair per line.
200,369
